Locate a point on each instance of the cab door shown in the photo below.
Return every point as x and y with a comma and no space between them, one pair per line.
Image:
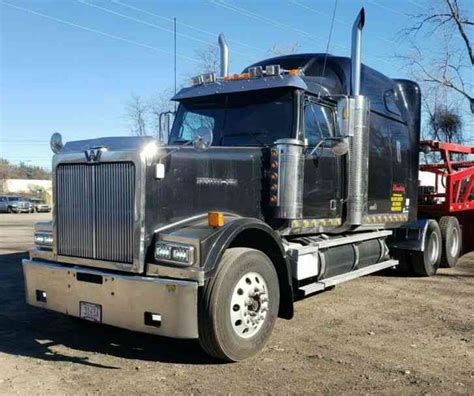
323,178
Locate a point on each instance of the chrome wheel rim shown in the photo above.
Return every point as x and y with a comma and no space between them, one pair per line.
249,305
455,243
433,248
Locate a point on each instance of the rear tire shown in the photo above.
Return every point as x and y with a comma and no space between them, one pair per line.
452,241
239,305
426,263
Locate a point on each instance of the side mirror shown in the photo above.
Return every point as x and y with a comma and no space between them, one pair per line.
56,142
337,145
202,138
165,121
340,147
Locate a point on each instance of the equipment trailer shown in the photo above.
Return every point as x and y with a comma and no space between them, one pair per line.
276,183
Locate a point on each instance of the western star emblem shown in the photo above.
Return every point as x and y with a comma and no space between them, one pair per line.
93,154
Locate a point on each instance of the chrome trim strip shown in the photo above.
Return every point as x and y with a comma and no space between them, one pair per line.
190,219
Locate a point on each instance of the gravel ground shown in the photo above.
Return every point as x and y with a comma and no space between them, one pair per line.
380,334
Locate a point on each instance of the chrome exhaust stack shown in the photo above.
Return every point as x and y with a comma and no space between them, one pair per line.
356,68
224,51
358,133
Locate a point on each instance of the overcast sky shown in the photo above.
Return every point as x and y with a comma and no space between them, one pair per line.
70,67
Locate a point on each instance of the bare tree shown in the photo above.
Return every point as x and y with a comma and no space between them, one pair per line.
137,111
280,50
158,105
446,125
450,65
209,59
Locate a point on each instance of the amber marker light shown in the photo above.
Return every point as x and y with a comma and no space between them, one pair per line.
294,72
215,219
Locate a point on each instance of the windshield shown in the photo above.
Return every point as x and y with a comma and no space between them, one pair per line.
255,118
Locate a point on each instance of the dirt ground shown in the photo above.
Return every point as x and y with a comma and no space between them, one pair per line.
380,334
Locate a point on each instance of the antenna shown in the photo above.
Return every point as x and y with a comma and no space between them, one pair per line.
330,36
175,40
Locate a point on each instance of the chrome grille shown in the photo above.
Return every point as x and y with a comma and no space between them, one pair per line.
95,210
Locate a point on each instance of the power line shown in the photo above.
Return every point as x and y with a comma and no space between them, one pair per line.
99,32
193,27
306,7
388,8
316,11
151,24
261,18
273,22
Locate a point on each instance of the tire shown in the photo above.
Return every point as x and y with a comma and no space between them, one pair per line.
426,263
404,266
452,241
10,210
227,299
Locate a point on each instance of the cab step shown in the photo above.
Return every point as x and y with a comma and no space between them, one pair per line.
325,283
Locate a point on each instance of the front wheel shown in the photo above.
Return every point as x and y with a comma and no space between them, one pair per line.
239,305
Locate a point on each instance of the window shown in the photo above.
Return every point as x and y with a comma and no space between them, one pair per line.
256,118
390,100
318,122
3,199
191,123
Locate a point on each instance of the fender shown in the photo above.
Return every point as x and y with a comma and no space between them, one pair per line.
212,242
410,237
253,233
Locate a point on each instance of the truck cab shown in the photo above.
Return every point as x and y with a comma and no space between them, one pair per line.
275,184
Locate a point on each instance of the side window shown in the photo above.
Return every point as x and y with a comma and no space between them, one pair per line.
193,121
3,199
318,122
390,98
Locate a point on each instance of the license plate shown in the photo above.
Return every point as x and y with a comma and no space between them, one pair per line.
90,311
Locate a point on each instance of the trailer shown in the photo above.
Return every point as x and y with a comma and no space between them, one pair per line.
276,183
453,192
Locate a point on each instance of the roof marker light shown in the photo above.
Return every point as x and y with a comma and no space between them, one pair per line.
256,71
272,70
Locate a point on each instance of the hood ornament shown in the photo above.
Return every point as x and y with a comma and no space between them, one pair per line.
93,154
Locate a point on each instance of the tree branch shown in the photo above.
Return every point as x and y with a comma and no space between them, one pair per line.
455,14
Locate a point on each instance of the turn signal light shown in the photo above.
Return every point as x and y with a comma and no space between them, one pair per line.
241,76
294,72
215,219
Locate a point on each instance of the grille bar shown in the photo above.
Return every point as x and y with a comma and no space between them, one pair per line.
95,210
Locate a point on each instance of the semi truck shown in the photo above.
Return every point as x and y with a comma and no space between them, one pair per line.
275,184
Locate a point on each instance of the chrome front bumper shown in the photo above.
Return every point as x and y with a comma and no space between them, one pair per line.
126,300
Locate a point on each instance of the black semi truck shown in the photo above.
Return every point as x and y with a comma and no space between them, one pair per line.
276,183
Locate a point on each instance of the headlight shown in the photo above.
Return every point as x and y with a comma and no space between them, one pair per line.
174,253
43,239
